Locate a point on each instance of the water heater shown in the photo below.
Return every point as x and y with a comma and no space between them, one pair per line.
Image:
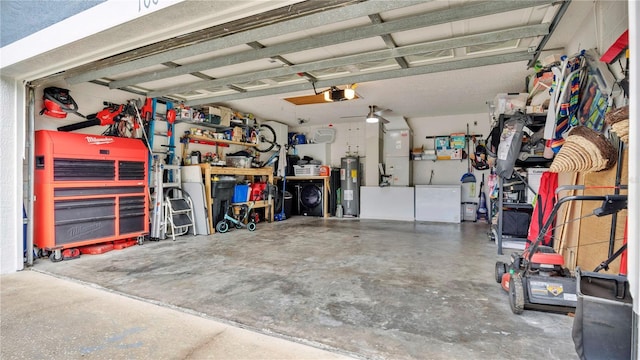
350,184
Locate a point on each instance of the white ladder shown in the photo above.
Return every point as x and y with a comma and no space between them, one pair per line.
178,206
172,206
157,231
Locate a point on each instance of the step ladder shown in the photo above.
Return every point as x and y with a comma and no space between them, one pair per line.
172,207
179,216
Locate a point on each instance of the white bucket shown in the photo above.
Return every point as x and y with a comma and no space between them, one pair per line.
469,192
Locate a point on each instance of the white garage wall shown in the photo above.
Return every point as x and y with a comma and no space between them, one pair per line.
445,171
604,23
350,139
89,98
11,176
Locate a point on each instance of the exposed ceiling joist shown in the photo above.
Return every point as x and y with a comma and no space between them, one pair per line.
502,35
429,19
273,30
383,75
554,23
388,40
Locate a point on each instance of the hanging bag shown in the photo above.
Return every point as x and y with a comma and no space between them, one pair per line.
510,143
58,102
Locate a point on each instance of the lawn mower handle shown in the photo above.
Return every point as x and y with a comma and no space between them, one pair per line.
607,199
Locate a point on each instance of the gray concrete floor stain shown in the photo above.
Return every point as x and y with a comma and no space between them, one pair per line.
373,289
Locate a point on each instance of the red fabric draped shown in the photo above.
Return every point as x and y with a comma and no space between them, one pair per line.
543,207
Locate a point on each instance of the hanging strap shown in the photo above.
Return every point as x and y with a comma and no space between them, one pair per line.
605,264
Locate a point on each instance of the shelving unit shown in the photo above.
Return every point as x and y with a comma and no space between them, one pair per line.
203,140
209,141
208,171
205,124
467,138
520,204
509,240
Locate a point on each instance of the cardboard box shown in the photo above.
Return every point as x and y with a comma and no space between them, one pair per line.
449,154
211,110
225,116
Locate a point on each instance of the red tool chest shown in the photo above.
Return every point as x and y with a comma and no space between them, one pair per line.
89,189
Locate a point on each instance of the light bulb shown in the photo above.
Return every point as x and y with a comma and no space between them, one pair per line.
349,93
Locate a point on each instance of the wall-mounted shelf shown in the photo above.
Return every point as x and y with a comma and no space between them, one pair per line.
203,140
205,124
446,145
209,141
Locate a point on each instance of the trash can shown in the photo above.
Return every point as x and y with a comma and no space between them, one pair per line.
285,199
288,204
222,194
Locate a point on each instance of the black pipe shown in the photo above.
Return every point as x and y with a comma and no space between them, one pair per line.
614,217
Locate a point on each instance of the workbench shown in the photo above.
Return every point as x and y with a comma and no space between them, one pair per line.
208,171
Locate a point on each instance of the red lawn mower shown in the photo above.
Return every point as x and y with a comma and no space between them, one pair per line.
537,278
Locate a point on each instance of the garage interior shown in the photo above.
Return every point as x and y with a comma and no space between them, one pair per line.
370,270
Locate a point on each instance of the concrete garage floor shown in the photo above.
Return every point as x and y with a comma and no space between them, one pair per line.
362,288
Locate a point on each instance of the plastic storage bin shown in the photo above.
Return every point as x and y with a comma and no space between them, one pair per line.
308,170
241,193
239,161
